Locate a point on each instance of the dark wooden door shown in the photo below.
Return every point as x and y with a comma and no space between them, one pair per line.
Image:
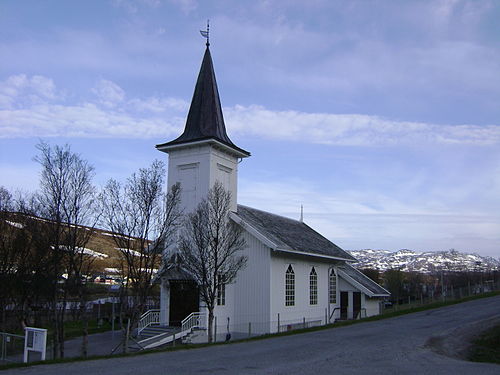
356,304
184,299
344,302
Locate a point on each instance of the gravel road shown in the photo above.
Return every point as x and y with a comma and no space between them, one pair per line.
409,344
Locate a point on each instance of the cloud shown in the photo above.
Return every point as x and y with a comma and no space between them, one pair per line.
33,109
352,129
186,6
108,93
40,113
20,90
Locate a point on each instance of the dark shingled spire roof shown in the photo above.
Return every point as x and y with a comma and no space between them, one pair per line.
205,120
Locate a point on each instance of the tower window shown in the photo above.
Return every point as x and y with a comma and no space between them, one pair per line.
289,286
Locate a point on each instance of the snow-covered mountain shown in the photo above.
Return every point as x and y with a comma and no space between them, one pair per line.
409,260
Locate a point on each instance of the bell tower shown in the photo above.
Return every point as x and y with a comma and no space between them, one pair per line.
203,153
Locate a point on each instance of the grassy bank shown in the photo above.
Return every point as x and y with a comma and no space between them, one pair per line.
486,348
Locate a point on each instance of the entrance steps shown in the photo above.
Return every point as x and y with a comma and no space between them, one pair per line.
155,330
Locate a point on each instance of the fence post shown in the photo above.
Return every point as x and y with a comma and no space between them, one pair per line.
326,316
113,319
278,322
304,321
215,329
127,335
249,329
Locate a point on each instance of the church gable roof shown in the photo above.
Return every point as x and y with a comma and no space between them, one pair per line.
290,235
205,120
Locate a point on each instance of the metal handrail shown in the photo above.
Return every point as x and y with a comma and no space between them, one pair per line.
148,318
333,312
193,320
358,316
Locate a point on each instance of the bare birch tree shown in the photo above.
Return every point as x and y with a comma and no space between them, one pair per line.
144,220
209,247
66,198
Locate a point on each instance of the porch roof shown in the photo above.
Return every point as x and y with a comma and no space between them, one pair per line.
361,281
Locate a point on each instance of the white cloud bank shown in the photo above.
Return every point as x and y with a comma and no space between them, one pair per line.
33,108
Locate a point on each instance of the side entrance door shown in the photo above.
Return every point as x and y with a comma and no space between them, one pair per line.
344,302
356,304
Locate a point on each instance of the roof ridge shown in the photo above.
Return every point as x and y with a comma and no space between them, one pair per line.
270,213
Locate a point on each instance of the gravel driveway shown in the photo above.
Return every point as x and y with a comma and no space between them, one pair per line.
409,344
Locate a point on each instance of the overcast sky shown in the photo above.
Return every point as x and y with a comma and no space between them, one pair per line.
380,117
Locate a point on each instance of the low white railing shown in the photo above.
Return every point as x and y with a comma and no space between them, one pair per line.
193,320
148,318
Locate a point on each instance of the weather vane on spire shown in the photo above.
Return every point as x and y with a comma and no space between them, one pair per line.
206,34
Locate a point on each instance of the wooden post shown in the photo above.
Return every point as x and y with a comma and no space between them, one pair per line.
113,319
326,317
304,321
99,314
249,329
127,335
278,322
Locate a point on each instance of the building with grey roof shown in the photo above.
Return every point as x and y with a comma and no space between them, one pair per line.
293,277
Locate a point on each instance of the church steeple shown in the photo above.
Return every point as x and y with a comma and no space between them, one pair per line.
205,120
203,154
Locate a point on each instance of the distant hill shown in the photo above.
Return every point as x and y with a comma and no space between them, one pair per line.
101,248
427,262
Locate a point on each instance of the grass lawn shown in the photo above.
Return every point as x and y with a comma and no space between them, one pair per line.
487,347
75,328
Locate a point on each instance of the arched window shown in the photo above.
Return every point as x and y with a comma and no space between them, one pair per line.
289,286
313,287
333,286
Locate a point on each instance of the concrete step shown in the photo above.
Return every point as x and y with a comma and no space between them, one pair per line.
156,330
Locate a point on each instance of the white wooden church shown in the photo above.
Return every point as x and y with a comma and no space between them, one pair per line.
294,276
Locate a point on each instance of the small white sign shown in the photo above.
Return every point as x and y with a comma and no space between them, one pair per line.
35,340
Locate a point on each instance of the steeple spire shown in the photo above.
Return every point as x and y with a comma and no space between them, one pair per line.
205,120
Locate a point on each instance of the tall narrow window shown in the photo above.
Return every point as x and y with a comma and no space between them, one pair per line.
221,290
289,287
333,286
313,287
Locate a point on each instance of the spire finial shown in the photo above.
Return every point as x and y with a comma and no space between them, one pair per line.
206,33
301,213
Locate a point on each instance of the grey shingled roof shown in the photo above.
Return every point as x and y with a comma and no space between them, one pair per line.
289,234
205,120
361,278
